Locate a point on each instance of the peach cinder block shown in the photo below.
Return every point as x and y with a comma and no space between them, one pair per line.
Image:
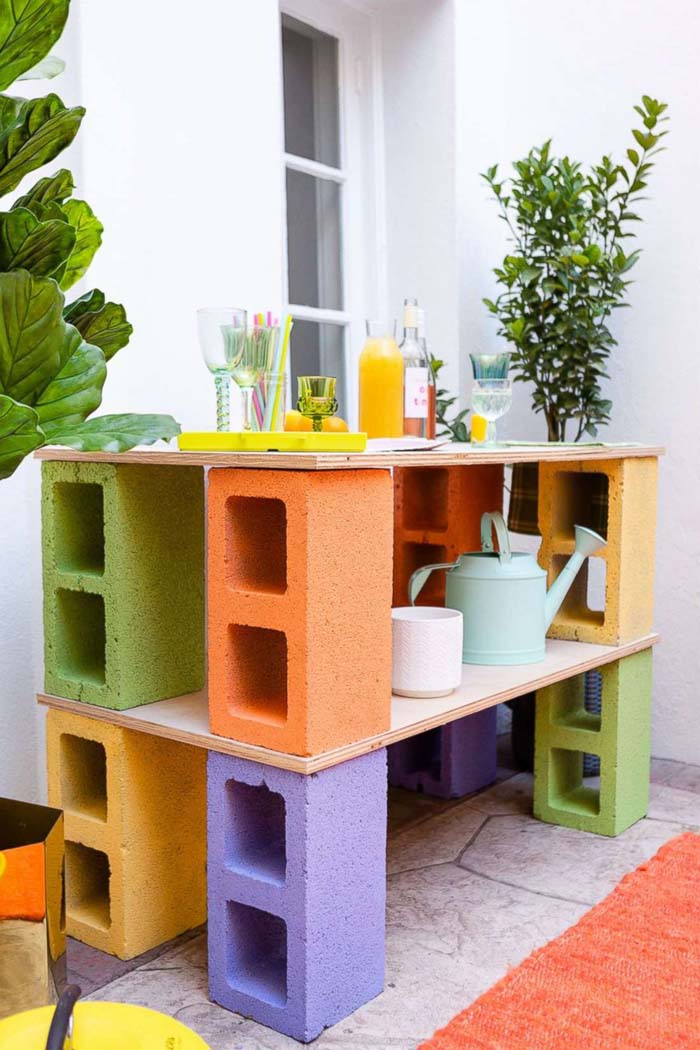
565,500
135,828
437,517
299,585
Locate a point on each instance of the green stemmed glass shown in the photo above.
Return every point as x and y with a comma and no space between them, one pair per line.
317,399
222,336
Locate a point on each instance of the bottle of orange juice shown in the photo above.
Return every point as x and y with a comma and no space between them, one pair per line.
381,382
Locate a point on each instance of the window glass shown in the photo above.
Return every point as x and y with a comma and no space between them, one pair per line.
311,109
314,241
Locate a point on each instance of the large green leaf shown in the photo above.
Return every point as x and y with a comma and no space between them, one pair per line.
49,67
41,129
57,187
107,328
88,238
28,31
19,434
91,302
77,389
116,433
27,244
34,338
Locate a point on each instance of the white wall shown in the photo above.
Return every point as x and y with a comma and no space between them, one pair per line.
573,72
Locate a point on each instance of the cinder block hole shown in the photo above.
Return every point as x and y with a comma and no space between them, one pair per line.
417,555
255,832
256,544
80,527
256,953
425,491
578,499
83,776
422,755
257,663
87,885
586,588
566,788
80,636
578,702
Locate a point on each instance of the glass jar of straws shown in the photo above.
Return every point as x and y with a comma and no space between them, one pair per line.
268,395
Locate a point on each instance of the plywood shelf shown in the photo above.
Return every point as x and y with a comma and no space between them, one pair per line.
445,456
185,718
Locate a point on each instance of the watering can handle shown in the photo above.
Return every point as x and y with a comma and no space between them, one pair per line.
494,520
420,576
60,1030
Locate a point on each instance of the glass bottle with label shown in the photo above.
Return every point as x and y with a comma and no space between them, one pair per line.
417,377
432,385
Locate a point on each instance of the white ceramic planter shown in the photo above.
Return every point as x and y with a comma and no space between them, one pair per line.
427,651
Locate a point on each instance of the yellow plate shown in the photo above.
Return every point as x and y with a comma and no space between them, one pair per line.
102,1026
271,441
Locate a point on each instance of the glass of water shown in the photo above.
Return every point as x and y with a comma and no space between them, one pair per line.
491,399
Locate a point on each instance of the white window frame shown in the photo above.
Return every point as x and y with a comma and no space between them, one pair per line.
360,175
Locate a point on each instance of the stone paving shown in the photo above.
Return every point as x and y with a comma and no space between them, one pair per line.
473,888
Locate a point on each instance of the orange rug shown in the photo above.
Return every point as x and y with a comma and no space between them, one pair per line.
625,977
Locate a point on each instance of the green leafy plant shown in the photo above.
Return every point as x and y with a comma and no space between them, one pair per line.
53,354
567,270
455,428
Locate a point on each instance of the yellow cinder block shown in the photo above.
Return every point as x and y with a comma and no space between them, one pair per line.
135,828
565,500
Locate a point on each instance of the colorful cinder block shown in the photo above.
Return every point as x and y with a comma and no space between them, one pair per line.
297,877
437,517
620,736
566,494
299,588
135,828
123,582
449,761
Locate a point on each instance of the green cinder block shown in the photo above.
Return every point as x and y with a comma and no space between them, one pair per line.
123,582
620,736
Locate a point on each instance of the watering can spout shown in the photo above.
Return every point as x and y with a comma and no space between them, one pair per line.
587,543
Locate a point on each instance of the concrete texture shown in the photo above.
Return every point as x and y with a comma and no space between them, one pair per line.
486,885
298,601
123,582
629,556
565,731
296,890
437,517
135,832
449,761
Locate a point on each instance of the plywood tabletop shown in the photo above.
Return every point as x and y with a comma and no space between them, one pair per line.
186,719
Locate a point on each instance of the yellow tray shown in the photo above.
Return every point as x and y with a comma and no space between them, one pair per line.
271,441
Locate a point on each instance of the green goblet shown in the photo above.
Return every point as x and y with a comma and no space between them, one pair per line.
317,399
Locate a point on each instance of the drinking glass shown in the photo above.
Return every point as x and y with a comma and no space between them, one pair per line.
490,366
222,337
491,399
317,398
249,368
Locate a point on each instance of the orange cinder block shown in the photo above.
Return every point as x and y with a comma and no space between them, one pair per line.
299,586
437,517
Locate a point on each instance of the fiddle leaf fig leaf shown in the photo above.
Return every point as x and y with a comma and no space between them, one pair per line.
28,31
107,328
116,433
27,244
77,389
20,434
33,334
50,67
91,302
88,238
57,187
41,128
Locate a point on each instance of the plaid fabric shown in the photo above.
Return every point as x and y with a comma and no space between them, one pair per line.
522,510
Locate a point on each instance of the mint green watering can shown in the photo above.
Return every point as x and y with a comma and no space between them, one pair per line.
503,595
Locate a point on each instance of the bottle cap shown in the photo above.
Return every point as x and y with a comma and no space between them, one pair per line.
421,321
410,313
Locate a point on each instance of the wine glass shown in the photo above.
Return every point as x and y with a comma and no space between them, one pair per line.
222,337
491,399
248,369
317,398
490,366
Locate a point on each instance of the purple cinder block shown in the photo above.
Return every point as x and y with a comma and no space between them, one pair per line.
297,888
450,761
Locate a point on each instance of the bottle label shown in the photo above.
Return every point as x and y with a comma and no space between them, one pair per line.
416,393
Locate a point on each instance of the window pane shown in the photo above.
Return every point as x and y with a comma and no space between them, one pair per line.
318,350
313,241
310,68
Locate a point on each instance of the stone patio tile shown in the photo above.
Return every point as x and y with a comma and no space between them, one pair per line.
671,803
513,795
